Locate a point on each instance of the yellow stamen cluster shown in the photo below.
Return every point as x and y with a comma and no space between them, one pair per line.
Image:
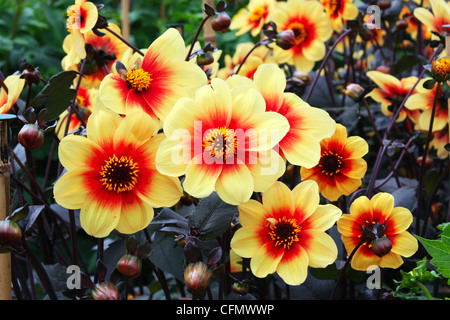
257,14
139,79
221,143
299,31
73,18
283,231
119,174
440,69
330,162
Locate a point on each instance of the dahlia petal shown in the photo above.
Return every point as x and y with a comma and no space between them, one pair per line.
301,148
90,17
271,82
306,198
364,258
279,198
69,190
163,191
269,167
113,92
391,260
235,184
189,76
79,43
102,126
246,102
201,178
169,46
172,158
404,244
294,270
383,203
324,217
244,241
399,220
426,17
271,128
265,260
383,80
346,185
251,212
73,151
314,51
323,251
357,147
354,168
216,102
15,86
134,217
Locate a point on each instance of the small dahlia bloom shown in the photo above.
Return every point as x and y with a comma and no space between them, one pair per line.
81,18
111,175
103,53
7,99
339,11
440,139
436,18
371,222
307,125
341,166
222,141
253,17
391,92
286,232
311,27
155,83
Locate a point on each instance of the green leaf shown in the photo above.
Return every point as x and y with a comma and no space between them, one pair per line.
429,84
57,95
440,253
212,216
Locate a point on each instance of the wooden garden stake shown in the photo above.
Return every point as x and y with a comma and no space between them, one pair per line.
5,172
208,33
125,8
447,48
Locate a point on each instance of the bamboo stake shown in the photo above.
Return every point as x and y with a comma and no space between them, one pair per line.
5,173
125,8
208,33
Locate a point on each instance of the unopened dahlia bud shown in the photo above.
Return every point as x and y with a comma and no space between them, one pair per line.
220,21
204,59
240,288
285,39
197,276
129,265
354,91
31,136
304,77
105,291
381,246
10,232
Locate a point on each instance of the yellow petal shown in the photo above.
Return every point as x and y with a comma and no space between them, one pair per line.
91,16
262,263
279,197
295,270
271,82
97,218
268,168
74,151
134,217
235,184
169,46
323,251
69,191
102,126
405,244
306,197
244,241
383,203
251,213
201,178
324,217
172,157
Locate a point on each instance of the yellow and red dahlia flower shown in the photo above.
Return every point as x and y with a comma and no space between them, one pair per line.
307,125
377,223
253,17
155,83
222,141
111,175
311,27
81,18
436,18
286,232
339,11
9,97
341,166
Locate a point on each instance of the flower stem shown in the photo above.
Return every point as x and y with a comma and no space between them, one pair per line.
196,37
425,291
124,41
265,40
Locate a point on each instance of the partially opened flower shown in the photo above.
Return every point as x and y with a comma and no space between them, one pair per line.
381,231
307,125
286,232
81,18
340,11
311,27
111,174
440,139
341,166
391,92
435,19
222,141
155,83
253,17
84,102
9,97
103,53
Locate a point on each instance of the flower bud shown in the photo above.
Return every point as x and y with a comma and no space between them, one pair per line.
197,276
381,246
205,59
440,69
304,77
384,4
285,39
401,24
220,21
384,69
31,136
428,162
354,91
240,288
10,232
129,265
105,291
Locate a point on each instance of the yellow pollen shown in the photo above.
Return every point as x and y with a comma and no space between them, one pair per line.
299,31
330,162
441,69
221,143
81,101
284,232
73,18
139,79
119,174
257,14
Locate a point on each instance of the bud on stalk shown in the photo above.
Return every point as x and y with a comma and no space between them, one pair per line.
220,22
130,266
381,246
31,136
285,39
10,232
105,291
197,276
